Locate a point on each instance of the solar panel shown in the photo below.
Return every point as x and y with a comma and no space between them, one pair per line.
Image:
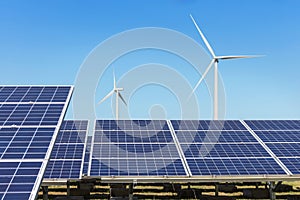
134,148
66,159
273,124
207,125
234,166
224,150
29,120
191,136
282,138
279,136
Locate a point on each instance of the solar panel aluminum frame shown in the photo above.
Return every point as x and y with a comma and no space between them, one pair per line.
47,155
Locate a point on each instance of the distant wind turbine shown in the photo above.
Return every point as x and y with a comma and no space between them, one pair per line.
214,61
118,95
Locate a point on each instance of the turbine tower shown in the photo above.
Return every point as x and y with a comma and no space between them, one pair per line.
118,95
214,61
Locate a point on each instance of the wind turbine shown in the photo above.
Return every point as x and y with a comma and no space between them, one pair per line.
214,61
118,95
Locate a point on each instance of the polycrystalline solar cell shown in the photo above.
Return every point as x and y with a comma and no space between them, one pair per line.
30,114
273,124
71,137
293,164
137,167
135,150
71,125
187,136
34,93
131,125
279,136
285,149
67,151
17,179
234,166
207,125
23,143
125,136
224,150
63,169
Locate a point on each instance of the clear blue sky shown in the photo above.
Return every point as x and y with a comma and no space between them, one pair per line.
46,43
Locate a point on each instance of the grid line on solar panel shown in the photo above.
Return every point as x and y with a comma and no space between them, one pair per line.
273,124
292,163
279,136
18,178
30,114
72,125
134,150
224,150
137,167
120,136
131,125
188,136
19,143
234,166
34,94
207,125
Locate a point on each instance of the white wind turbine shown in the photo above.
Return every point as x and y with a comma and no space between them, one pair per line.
214,61
118,95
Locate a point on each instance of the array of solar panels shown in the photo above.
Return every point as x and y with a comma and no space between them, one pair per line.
195,148
29,121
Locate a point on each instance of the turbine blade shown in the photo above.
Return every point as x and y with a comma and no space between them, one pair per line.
106,97
115,84
203,76
237,57
121,97
203,38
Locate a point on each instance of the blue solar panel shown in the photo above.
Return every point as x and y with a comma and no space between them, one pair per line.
134,148
63,169
293,164
30,114
34,93
17,179
279,136
67,155
274,124
234,166
29,119
285,149
187,136
131,125
123,136
207,125
137,167
224,150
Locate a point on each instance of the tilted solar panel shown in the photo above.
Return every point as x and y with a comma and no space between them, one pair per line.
67,156
134,148
29,120
282,138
